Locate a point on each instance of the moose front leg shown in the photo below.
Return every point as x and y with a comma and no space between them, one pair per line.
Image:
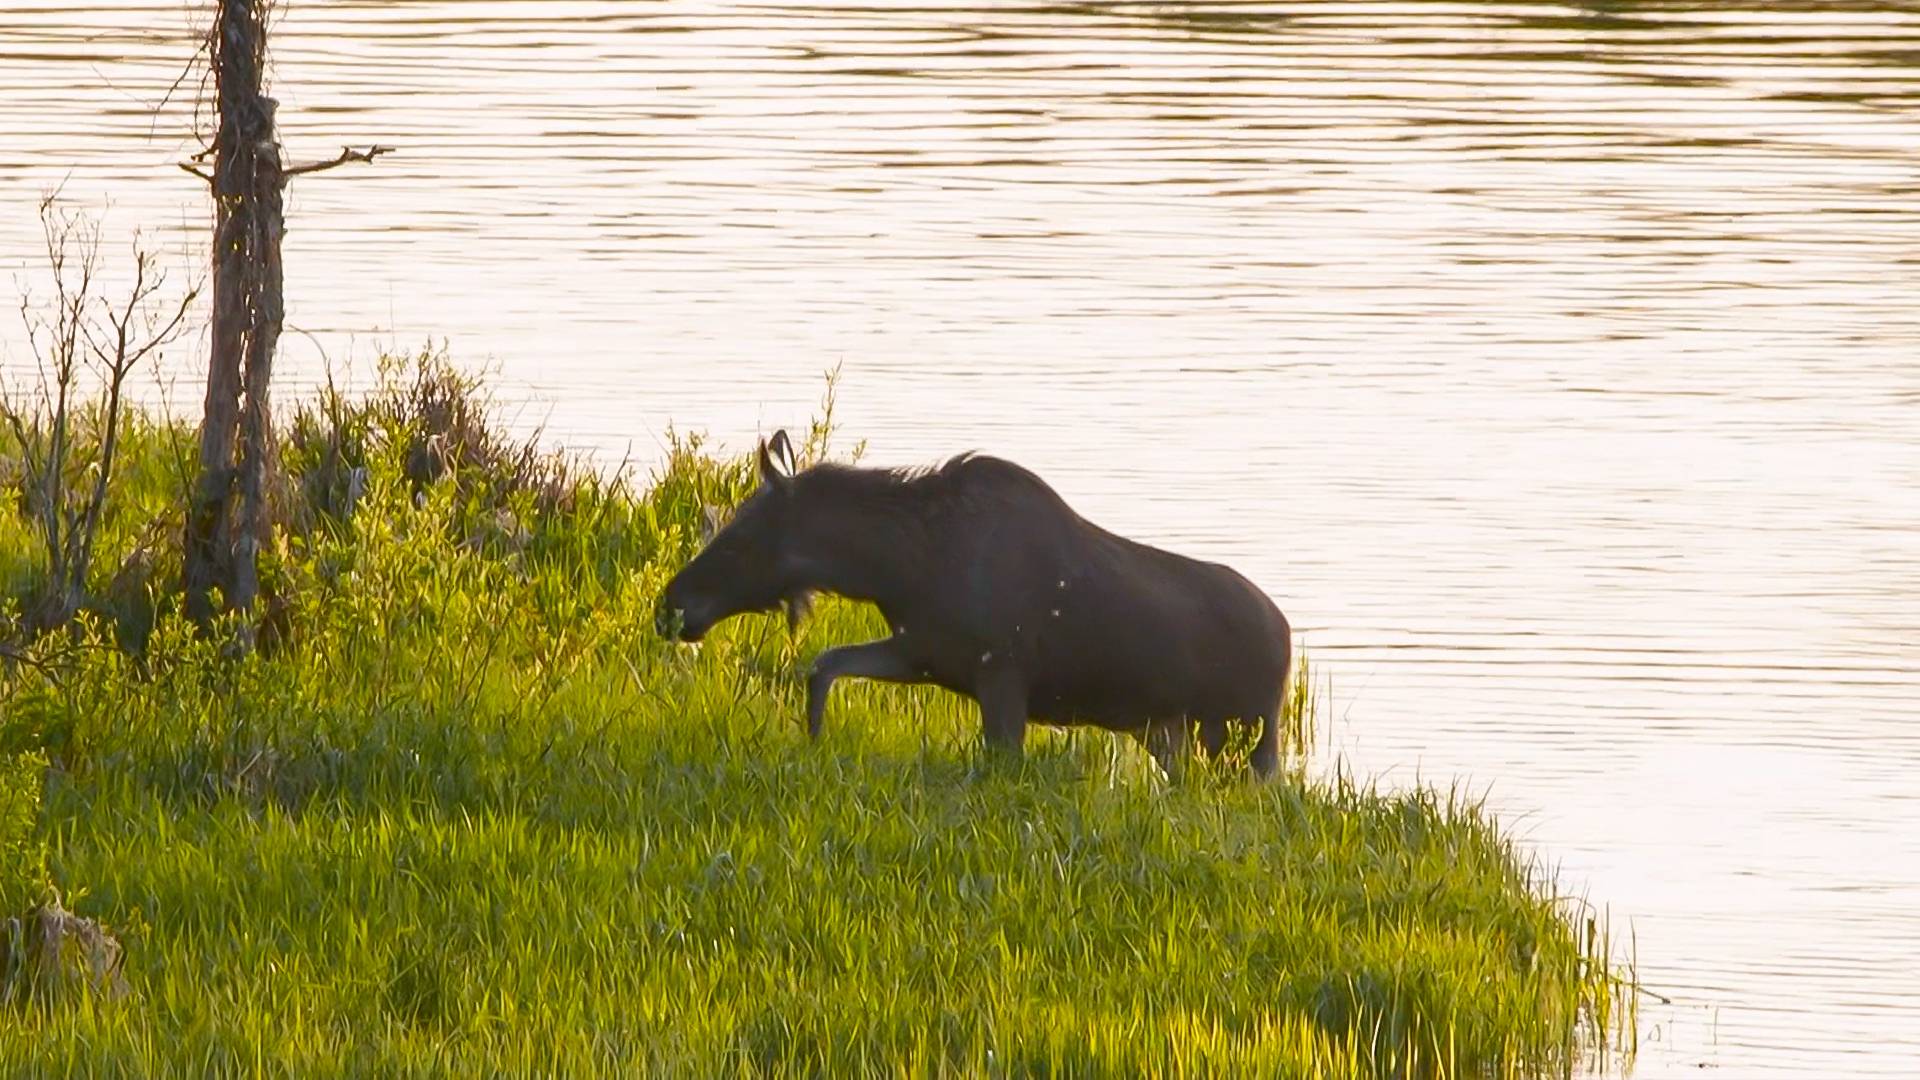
1002,694
885,660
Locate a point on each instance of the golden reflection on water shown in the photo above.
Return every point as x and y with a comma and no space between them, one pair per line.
1554,364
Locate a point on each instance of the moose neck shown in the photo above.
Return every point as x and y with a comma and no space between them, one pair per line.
866,551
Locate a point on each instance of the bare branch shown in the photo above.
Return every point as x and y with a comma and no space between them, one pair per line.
184,167
347,154
160,334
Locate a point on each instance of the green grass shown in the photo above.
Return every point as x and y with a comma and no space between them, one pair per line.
464,813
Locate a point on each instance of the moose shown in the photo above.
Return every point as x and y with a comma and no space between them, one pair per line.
995,589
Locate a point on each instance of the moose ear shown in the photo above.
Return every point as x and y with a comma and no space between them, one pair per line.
776,460
782,450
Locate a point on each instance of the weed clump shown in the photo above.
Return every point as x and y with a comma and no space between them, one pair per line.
435,421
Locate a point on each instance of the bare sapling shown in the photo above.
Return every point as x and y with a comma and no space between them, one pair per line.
67,433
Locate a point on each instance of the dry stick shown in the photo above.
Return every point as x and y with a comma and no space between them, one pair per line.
347,154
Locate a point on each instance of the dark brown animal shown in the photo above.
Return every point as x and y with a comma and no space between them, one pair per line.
997,590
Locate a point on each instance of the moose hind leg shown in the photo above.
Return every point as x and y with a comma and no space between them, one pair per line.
884,660
1166,740
1266,752
1213,735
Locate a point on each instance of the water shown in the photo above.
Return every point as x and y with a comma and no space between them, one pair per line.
1554,365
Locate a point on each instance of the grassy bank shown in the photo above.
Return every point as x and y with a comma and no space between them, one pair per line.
463,812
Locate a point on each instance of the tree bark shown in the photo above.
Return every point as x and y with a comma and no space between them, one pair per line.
254,525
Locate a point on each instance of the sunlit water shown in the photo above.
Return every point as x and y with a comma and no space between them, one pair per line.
1556,366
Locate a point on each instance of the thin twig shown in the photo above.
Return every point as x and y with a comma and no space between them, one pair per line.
1661,998
347,154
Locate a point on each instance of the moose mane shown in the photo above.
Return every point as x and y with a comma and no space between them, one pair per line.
900,485
910,496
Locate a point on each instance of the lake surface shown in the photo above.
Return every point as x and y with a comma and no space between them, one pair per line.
1556,366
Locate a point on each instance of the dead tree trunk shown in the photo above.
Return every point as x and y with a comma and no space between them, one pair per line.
228,516
243,150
